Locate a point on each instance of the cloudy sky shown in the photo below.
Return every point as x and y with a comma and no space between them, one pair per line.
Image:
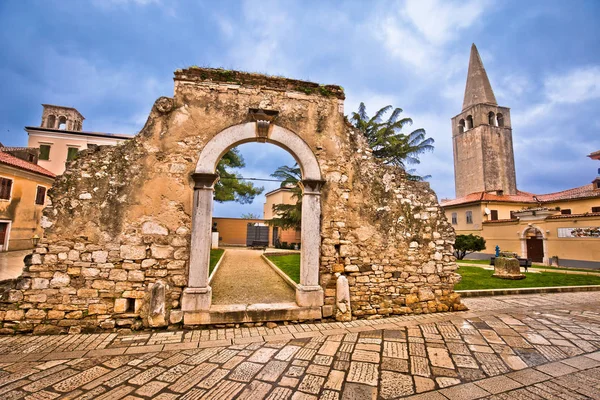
112,58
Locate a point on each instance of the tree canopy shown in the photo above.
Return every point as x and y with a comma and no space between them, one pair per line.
467,244
388,142
230,187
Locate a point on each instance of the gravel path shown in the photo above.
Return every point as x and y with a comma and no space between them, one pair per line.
245,278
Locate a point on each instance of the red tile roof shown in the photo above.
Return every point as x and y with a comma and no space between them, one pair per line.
13,161
562,216
595,155
525,197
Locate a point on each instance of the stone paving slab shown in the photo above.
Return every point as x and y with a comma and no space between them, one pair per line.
526,347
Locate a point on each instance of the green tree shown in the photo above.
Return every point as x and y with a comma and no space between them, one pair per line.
250,216
230,187
388,142
467,244
288,216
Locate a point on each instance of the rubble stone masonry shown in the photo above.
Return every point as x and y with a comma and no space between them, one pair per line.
119,224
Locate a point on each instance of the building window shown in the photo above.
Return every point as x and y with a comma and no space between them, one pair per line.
72,153
40,197
469,122
44,151
469,215
596,209
565,211
461,126
50,121
62,123
5,188
492,118
494,215
454,218
500,119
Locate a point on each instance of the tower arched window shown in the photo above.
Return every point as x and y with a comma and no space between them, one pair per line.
461,126
51,121
500,119
469,121
62,123
492,118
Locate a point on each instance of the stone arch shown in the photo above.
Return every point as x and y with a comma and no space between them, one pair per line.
540,232
492,119
469,122
461,126
197,297
51,121
500,119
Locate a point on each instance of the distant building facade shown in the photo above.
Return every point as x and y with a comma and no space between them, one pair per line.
23,191
561,227
60,137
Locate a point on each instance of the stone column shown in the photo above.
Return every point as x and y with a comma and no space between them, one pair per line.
309,292
198,295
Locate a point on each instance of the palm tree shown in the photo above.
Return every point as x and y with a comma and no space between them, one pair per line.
288,216
387,140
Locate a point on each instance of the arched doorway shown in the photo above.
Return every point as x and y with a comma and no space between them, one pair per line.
197,296
533,245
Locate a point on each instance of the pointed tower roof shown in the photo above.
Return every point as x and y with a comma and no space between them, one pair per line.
478,89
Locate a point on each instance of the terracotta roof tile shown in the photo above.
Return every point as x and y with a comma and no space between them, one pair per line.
525,197
562,216
13,161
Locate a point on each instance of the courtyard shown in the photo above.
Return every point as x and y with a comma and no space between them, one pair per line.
527,346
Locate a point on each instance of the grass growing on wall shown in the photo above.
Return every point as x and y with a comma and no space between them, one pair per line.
475,278
215,256
289,264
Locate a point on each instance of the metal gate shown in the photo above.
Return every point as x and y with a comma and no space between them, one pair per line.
257,235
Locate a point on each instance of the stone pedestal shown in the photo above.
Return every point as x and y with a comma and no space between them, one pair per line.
342,300
309,296
507,268
196,299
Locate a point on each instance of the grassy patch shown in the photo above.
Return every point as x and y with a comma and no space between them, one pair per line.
215,256
289,264
475,278
533,265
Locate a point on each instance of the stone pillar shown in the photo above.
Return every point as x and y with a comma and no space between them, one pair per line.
309,292
198,295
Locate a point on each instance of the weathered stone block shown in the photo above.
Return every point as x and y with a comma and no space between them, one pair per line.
103,285
154,228
99,256
121,305
135,276
97,309
90,272
40,283
161,251
118,275
133,252
74,315
60,279
14,315
55,314
32,313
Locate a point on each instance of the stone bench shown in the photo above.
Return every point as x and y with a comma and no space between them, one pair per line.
523,262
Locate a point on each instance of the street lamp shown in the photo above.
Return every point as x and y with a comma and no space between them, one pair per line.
35,239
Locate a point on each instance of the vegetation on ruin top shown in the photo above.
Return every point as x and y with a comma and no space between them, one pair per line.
255,79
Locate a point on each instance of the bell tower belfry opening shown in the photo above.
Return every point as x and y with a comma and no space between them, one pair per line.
482,138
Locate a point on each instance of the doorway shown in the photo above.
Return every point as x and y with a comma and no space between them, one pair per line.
535,247
4,236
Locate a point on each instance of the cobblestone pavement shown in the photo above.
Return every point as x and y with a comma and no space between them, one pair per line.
510,347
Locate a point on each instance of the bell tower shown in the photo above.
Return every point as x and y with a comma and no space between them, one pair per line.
482,138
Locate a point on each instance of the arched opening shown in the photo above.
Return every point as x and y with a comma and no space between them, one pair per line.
461,126
51,122
469,122
492,119
500,119
533,244
62,123
197,297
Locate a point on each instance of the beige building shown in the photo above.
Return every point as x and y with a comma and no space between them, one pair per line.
23,190
60,137
280,196
561,227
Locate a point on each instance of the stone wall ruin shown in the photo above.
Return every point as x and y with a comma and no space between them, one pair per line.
117,237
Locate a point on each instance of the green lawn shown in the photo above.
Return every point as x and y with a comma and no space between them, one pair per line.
215,256
289,264
475,278
533,265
